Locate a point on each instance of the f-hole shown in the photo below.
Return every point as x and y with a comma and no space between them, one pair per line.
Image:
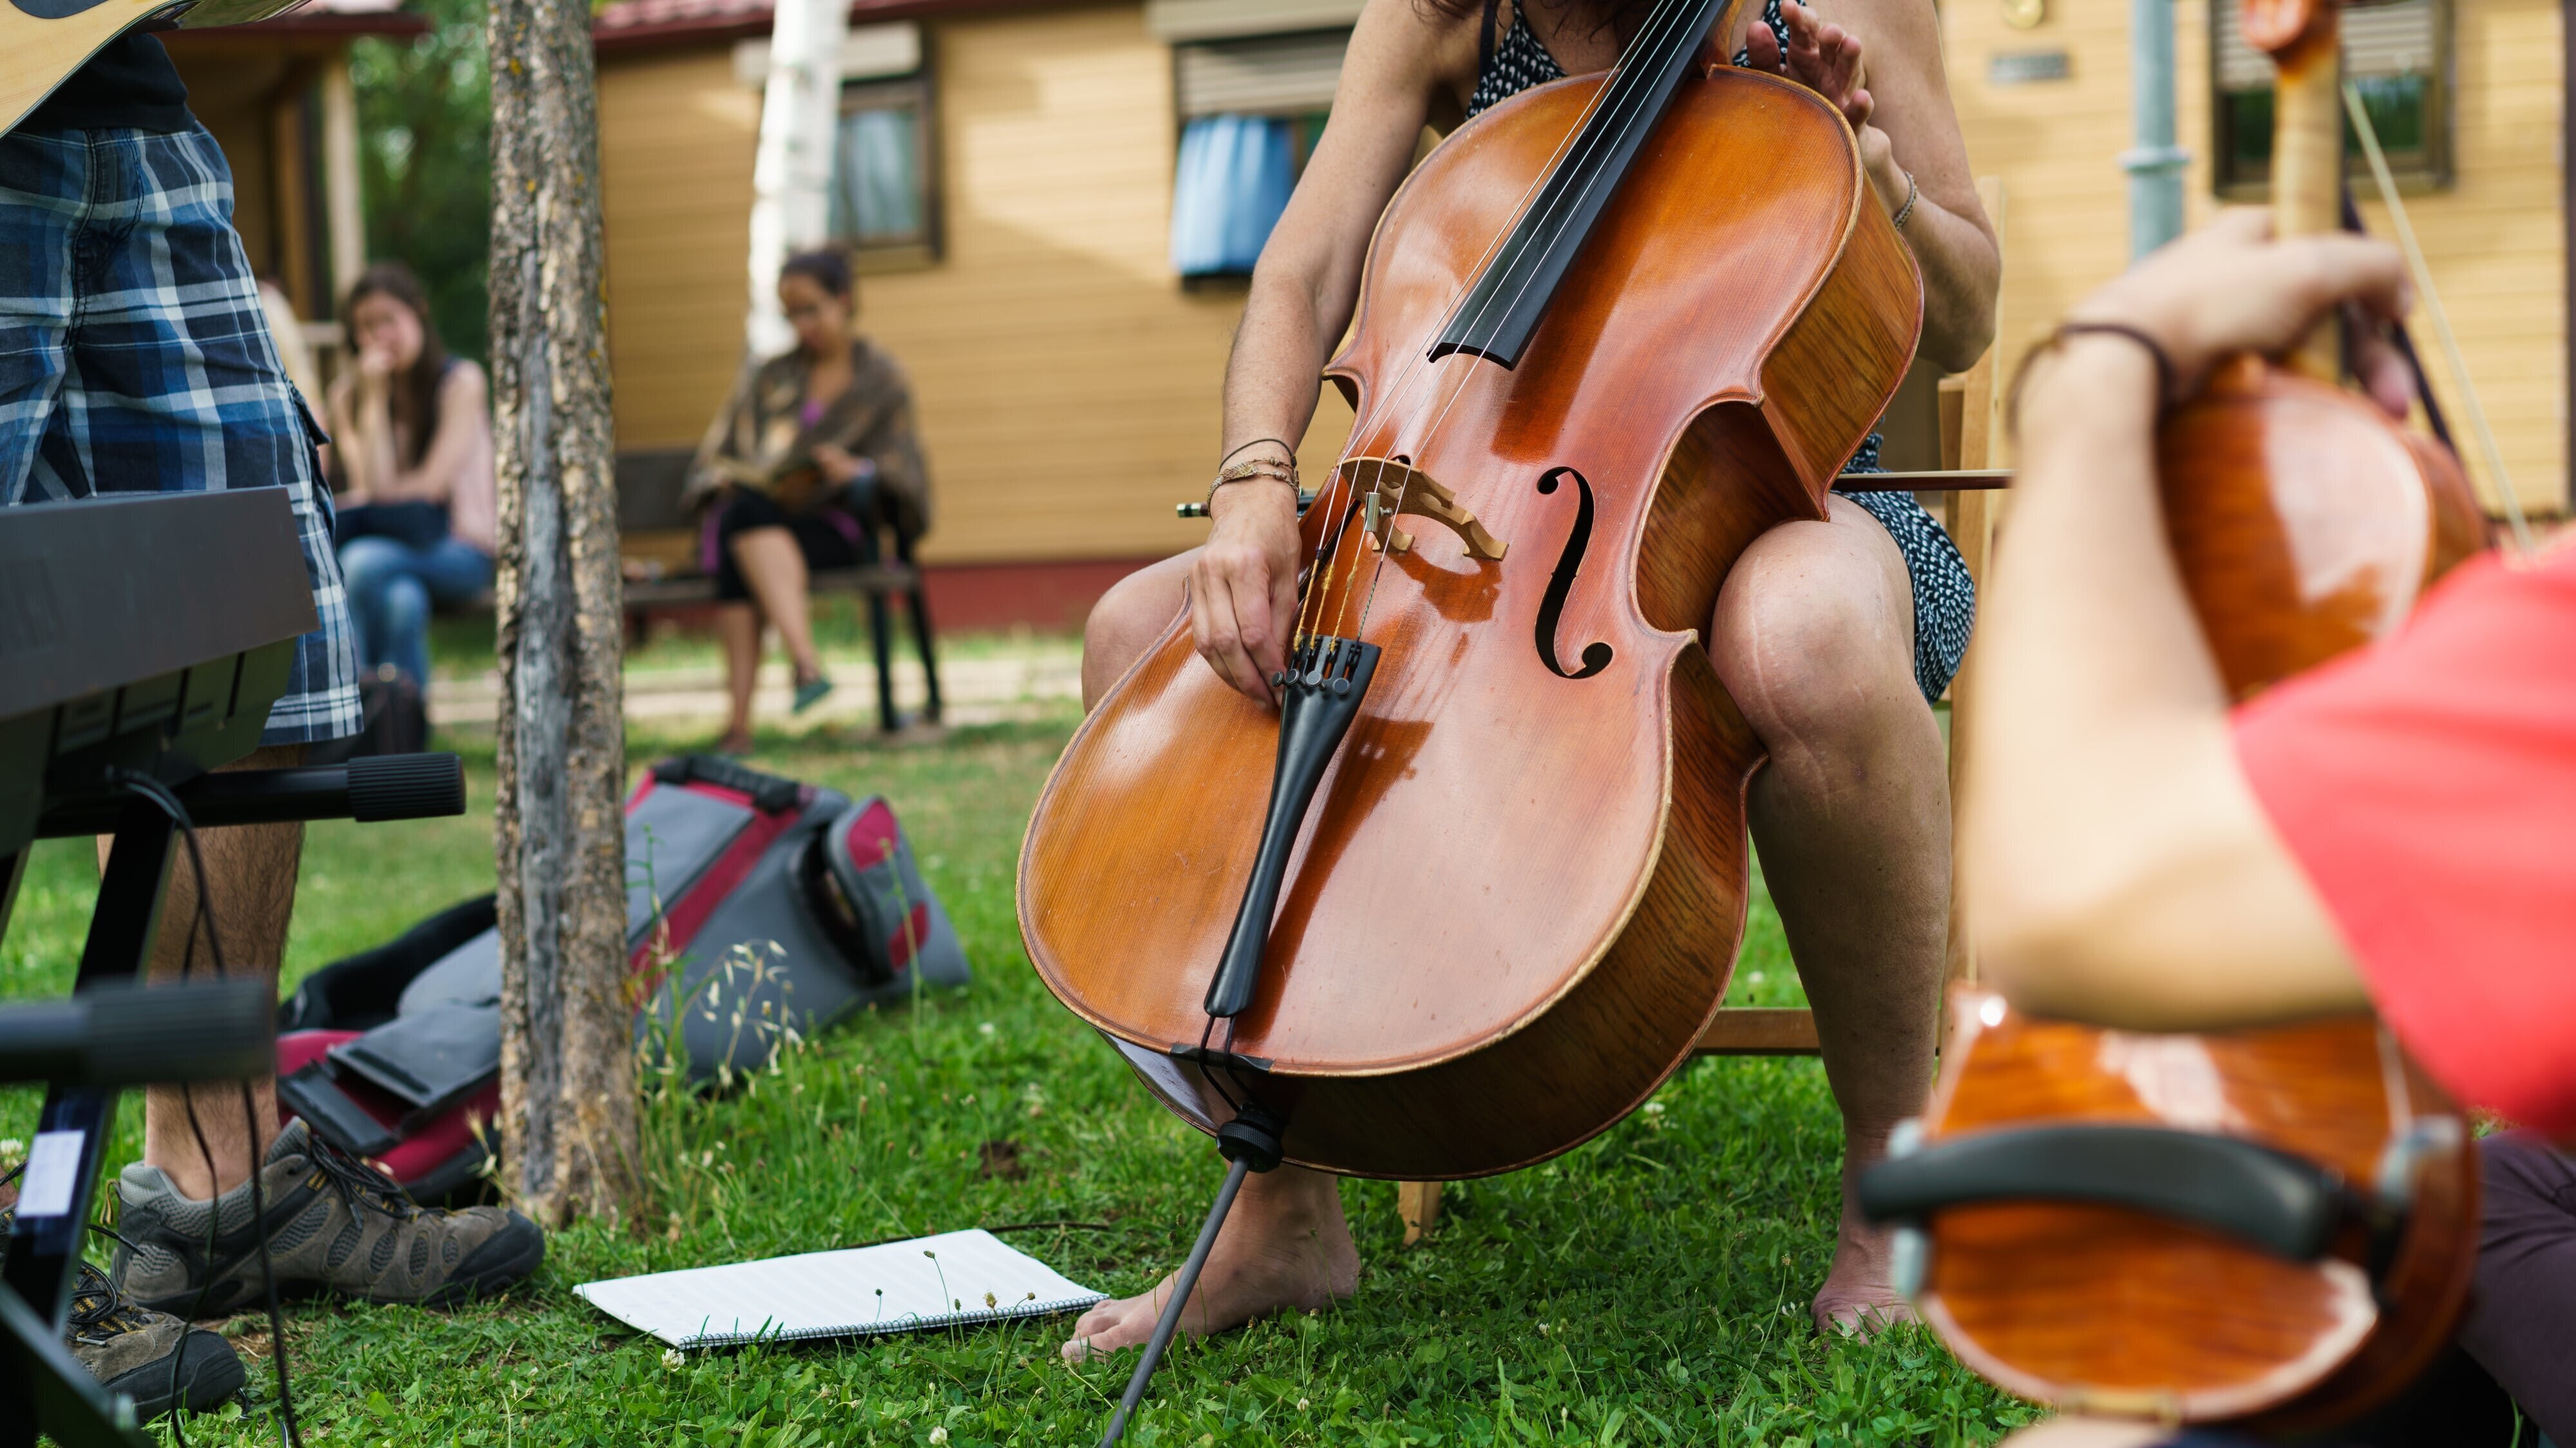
1596,656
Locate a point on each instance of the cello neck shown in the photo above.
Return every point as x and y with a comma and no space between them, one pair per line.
2306,46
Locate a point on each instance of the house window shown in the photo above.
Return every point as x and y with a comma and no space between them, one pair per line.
884,197
1252,109
2398,56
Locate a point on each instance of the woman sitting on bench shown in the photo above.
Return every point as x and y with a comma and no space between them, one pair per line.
413,468
815,452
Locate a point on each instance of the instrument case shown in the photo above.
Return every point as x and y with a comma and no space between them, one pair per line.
754,904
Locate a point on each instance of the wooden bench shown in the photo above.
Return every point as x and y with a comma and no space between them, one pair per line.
659,543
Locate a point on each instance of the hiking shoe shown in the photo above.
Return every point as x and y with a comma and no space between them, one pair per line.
157,1360
334,1224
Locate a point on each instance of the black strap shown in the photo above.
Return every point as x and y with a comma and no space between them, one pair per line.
1485,42
2405,343
2283,1204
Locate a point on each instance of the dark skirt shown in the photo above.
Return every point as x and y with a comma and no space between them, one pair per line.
840,533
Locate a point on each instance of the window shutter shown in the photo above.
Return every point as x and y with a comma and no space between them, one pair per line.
1270,75
2378,40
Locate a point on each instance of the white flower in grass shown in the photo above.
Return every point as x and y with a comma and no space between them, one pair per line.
939,1435
674,1359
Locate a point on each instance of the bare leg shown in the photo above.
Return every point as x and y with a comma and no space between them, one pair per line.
1286,1243
1814,637
738,624
252,869
774,567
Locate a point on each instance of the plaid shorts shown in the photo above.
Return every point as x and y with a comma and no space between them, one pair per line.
134,358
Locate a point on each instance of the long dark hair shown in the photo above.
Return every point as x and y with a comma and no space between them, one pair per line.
826,267
1619,17
415,392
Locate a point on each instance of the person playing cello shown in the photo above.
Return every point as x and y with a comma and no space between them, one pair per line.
1831,636
2387,832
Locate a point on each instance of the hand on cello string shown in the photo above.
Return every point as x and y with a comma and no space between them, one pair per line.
1243,586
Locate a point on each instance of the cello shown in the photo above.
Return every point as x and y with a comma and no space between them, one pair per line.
2271,1227
1501,879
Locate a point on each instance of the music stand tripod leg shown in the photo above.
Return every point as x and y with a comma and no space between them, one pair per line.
52,1215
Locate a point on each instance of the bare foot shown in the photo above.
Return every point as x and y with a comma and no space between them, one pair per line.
1284,1246
1858,1297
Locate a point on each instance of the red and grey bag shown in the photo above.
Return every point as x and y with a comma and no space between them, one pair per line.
753,903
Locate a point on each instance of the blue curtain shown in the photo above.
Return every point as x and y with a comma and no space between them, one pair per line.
876,195
1233,182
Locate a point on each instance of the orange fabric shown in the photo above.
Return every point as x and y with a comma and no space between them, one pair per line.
2428,788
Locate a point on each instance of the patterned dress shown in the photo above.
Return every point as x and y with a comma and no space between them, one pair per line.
1945,600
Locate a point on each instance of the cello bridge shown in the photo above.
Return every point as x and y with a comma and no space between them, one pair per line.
1389,487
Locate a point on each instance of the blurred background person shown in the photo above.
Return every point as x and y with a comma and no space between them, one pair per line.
412,463
814,453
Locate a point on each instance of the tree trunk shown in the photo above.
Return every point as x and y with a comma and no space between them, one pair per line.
567,1058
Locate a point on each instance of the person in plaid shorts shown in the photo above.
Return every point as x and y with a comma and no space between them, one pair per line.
134,357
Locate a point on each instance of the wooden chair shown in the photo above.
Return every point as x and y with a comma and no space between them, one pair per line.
1973,468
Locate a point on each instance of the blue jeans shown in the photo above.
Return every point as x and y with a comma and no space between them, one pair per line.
391,588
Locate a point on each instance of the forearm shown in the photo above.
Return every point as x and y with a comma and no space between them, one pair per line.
1961,270
2119,868
1272,380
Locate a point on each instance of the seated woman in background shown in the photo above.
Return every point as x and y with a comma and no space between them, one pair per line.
2387,832
814,453
412,463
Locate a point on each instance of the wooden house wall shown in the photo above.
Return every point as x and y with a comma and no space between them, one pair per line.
1068,386
2494,239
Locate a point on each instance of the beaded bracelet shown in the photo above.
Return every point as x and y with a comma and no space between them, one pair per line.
1270,468
2168,382
1913,193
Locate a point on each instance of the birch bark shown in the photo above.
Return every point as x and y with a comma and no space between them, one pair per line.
568,1121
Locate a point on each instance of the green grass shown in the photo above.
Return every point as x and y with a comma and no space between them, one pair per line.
1648,1288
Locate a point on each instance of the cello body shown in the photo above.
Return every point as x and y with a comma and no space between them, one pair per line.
2303,523
1519,894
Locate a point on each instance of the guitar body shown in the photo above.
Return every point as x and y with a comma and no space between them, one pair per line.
43,41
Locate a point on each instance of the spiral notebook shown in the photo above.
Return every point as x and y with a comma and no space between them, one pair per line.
953,1279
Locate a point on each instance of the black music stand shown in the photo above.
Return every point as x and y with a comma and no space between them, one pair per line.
143,639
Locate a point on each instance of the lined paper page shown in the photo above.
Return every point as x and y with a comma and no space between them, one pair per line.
941,1281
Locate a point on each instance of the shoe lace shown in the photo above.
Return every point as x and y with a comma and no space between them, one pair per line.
359,1184
99,1310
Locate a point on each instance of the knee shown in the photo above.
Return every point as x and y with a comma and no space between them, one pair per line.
1124,624
1816,645
406,605
367,563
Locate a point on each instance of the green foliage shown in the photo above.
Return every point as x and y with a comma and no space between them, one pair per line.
1647,1289
425,161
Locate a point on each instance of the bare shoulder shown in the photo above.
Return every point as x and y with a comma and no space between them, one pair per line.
1415,50
464,382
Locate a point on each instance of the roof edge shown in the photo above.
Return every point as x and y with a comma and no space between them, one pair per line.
738,25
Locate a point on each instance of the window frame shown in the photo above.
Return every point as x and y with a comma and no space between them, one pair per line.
2431,167
920,91
1306,127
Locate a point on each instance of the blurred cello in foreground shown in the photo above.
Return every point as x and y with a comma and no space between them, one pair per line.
2272,1227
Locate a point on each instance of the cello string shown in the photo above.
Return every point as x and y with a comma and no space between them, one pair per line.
1385,403
1669,21
1659,26
2415,263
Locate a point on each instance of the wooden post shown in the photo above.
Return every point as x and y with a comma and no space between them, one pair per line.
567,1045
346,221
1982,443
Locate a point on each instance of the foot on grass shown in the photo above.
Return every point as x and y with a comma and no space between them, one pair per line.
1859,1297
1285,1246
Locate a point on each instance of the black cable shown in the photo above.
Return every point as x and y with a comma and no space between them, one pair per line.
288,1432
